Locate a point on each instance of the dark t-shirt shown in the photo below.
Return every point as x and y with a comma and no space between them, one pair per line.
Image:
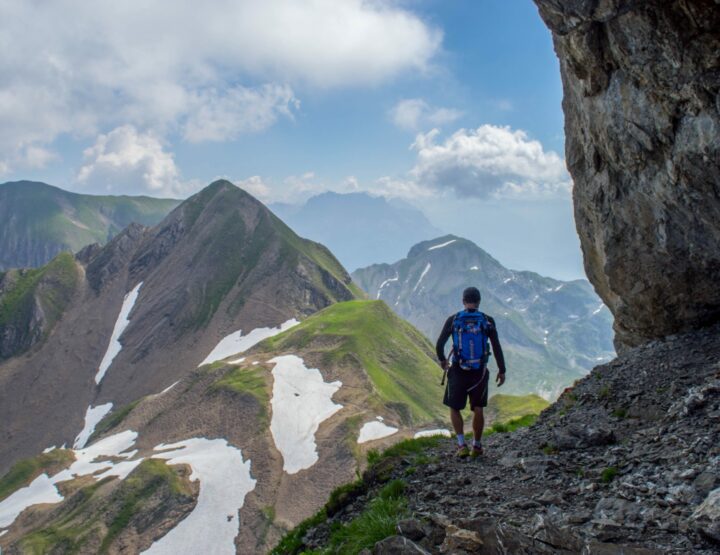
492,336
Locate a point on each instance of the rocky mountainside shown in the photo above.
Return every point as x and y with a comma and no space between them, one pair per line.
627,462
38,221
641,87
293,416
358,228
552,332
131,318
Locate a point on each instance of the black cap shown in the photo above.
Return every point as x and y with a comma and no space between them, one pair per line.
471,295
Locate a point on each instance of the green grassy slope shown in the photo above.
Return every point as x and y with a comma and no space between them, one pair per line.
37,220
396,356
25,471
502,408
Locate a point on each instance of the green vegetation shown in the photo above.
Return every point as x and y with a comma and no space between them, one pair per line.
25,471
292,542
85,512
112,420
550,449
142,483
620,413
248,381
54,283
604,392
396,357
503,408
511,425
65,534
608,474
412,449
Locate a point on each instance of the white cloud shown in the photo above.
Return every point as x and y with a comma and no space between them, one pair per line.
127,161
489,161
223,115
82,67
414,114
256,187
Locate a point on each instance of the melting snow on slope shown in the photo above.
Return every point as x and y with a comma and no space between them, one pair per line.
301,401
375,430
474,268
93,415
430,433
506,280
237,343
598,309
441,245
425,271
42,489
121,323
225,480
168,388
384,283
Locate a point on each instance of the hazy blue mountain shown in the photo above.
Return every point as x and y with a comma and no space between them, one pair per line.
358,228
38,221
552,331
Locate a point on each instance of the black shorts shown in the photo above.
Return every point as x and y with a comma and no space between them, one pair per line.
462,384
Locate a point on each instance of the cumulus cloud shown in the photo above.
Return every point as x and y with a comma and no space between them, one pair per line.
489,161
414,113
256,186
128,161
161,65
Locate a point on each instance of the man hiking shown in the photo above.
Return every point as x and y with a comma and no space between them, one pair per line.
467,372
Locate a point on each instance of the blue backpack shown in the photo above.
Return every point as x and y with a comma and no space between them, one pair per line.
470,340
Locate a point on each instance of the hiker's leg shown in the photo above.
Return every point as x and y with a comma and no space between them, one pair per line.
457,421
478,423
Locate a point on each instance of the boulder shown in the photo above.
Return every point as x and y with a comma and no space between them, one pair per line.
642,124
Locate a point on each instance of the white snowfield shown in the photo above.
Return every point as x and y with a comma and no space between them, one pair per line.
236,342
224,482
121,323
441,245
42,489
212,525
375,430
431,433
425,271
93,415
474,268
301,401
384,283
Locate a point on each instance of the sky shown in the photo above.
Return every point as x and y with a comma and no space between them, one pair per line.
451,105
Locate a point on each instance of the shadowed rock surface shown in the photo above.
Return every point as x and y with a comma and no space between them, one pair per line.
641,87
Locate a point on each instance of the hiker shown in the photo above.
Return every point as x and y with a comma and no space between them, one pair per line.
468,374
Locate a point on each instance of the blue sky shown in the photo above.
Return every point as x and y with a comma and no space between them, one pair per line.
452,105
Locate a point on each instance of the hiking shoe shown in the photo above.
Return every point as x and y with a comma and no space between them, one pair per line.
462,451
477,451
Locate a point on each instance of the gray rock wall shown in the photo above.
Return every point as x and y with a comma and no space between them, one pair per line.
641,86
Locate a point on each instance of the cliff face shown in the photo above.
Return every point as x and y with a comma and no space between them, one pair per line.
642,121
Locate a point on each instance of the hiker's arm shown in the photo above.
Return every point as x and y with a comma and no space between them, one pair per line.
496,348
444,335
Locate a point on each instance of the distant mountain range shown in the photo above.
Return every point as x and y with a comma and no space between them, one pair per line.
360,229
38,221
552,331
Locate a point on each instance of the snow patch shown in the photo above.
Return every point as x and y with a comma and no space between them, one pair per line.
508,299
93,415
121,323
384,283
559,287
89,461
474,268
237,343
225,480
48,449
168,388
430,433
301,401
425,271
506,280
375,430
237,360
598,309
441,245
